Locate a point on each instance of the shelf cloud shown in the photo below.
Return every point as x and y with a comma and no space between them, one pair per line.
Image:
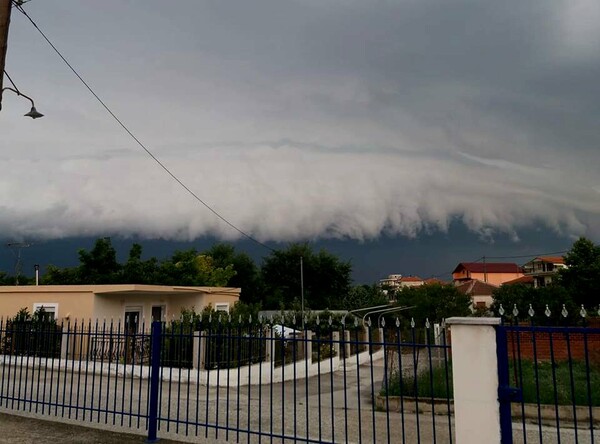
302,120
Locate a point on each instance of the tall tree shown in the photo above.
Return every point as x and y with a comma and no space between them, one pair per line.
433,301
190,268
553,297
138,271
99,265
246,277
326,278
363,296
582,275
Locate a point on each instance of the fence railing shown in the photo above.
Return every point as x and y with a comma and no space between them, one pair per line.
378,383
386,383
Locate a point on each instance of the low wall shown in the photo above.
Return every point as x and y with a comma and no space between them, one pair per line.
262,373
559,345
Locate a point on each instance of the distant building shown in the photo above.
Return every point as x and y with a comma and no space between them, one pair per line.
396,281
479,292
495,273
543,269
411,281
391,282
432,281
523,280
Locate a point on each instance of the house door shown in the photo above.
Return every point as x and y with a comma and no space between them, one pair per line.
132,320
131,342
157,313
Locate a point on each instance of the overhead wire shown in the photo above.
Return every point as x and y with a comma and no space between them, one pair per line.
19,7
527,255
11,81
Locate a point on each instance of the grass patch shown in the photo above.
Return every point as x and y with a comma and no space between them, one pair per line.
429,384
564,383
433,384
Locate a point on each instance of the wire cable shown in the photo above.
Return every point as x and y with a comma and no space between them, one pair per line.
11,81
113,115
527,255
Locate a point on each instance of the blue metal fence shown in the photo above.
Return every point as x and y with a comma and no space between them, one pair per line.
235,380
549,379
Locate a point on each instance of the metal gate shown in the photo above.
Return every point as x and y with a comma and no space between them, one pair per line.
549,383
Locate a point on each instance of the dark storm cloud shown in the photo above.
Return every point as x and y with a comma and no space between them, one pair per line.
308,118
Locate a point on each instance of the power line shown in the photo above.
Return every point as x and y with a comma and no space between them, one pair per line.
113,115
11,80
527,255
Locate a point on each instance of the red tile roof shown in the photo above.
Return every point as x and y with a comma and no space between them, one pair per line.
411,279
475,287
551,259
488,267
521,280
435,281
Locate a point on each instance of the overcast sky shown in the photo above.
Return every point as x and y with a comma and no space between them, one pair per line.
304,119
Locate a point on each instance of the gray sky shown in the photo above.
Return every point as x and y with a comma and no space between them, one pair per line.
304,119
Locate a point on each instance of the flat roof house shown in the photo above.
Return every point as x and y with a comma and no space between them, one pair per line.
122,301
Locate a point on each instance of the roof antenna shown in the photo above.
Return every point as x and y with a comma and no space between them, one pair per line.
16,248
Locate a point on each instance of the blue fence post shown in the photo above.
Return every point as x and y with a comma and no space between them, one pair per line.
504,390
154,381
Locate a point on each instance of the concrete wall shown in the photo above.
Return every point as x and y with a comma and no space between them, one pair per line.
112,301
114,306
71,304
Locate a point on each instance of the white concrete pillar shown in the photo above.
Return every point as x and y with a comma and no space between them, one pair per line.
336,343
475,380
346,344
308,342
199,350
64,343
269,346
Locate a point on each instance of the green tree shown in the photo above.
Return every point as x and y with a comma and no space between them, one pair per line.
190,268
99,265
211,274
510,296
362,296
553,297
60,276
246,277
138,271
326,278
581,278
433,301
7,279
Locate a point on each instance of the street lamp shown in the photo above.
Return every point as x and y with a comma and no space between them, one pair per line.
33,113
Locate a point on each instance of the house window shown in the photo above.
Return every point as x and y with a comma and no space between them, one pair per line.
133,319
50,310
158,312
222,307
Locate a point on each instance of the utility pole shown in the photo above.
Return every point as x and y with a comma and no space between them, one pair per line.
484,271
302,290
5,10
